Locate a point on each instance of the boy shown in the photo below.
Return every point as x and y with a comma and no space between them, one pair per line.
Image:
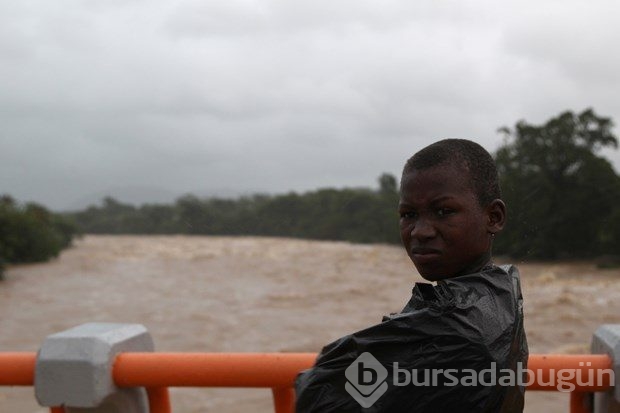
448,348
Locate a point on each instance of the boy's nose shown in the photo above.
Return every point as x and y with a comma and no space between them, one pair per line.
423,230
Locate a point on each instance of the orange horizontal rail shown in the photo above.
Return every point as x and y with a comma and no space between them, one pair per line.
585,368
17,369
280,369
210,369
272,370
158,371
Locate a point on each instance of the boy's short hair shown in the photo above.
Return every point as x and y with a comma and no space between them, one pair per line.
476,160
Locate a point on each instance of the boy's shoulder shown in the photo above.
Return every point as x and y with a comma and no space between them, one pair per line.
467,290
490,280
497,274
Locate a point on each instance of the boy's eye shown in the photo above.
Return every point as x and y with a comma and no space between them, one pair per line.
408,214
442,212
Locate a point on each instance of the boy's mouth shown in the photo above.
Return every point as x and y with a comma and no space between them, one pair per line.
422,254
424,250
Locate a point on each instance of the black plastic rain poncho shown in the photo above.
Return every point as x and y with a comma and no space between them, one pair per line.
466,331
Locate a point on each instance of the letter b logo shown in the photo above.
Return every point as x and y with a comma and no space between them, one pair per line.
366,376
366,380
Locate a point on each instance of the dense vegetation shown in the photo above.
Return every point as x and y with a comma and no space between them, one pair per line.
356,215
31,233
562,196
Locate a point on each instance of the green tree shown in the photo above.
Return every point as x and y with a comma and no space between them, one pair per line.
388,184
560,192
31,233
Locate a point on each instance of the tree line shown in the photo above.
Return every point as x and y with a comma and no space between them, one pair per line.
31,233
563,199
357,215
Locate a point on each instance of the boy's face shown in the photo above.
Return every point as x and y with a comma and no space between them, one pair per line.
442,225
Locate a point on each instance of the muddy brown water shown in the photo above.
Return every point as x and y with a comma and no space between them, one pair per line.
222,294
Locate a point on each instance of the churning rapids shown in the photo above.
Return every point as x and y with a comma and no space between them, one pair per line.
221,294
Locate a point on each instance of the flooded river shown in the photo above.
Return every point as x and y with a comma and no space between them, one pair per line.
220,294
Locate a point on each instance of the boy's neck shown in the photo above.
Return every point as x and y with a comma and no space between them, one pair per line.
483,261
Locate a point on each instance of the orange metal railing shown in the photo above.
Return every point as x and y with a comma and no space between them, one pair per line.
158,371
273,370
17,369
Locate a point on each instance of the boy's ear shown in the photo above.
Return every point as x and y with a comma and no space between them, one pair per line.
496,212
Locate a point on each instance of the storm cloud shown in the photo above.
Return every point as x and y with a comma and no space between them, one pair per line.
148,100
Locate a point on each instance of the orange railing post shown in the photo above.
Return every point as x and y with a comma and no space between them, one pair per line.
283,399
579,402
159,400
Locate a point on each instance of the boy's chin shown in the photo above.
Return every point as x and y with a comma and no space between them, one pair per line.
434,277
431,274
437,271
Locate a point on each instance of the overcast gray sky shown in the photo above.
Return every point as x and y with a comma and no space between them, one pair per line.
148,100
